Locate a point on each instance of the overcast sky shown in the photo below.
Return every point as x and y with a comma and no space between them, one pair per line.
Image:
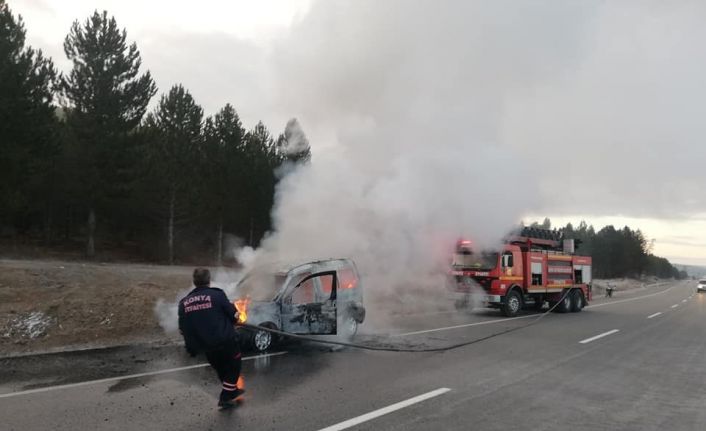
575,110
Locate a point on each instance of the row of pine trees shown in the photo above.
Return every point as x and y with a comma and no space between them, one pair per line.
85,163
617,252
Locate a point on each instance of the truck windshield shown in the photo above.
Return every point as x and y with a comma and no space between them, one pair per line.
467,258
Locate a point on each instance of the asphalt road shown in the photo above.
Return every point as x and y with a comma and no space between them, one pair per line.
632,362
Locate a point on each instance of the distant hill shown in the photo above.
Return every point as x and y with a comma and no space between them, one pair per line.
693,270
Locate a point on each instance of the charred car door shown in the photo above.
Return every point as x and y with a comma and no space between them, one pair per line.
310,309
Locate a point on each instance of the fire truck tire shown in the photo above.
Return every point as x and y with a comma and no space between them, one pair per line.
576,301
566,303
262,340
512,304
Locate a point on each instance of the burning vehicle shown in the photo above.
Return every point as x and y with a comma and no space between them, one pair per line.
316,298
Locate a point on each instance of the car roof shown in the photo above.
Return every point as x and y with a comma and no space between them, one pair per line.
315,263
282,268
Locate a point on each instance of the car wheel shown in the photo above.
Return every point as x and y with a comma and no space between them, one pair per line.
262,340
576,301
513,304
348,326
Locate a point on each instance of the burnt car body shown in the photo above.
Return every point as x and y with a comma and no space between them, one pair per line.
316,298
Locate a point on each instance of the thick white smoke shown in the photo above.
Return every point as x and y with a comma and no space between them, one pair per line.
398,222
430,120
415,116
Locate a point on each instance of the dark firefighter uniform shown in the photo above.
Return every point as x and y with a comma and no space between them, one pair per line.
206,320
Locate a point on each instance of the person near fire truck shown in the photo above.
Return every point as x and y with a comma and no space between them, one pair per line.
207,322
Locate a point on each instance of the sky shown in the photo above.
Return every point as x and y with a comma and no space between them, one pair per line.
447,116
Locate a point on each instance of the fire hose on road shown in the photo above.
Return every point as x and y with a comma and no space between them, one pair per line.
405,349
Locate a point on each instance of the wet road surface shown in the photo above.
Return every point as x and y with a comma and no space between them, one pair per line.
633,362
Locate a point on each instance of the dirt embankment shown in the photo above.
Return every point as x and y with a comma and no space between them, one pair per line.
622,284
50,304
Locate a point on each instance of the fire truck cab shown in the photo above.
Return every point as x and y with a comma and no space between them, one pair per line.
532,267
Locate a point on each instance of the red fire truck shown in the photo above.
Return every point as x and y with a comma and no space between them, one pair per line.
534,266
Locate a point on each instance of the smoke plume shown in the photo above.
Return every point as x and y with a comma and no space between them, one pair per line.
428,121
415,156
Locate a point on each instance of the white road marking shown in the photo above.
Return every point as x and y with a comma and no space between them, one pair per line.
446,328
630,299
129,376
683,300
605,334
385,410
654,315
674,306
426,313
488,322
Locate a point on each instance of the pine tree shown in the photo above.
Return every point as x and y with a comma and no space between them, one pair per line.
546,224
28,144
174,155
262,159
225,171
293,144
106,100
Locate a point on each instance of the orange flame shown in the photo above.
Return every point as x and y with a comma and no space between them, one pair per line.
242,306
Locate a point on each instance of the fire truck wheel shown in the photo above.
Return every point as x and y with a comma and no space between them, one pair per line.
513,304
576,301
566,304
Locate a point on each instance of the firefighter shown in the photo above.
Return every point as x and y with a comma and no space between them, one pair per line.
206,320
